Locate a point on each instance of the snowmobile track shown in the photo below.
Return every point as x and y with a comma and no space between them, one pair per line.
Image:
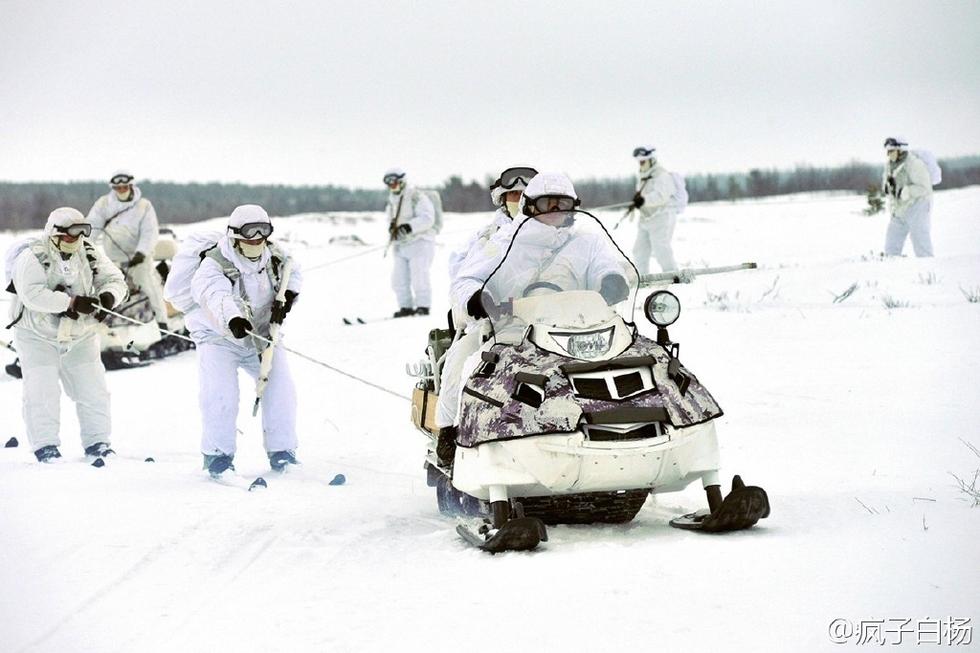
586,508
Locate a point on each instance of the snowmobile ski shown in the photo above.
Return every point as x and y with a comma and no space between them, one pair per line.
741,509
11,443
520,534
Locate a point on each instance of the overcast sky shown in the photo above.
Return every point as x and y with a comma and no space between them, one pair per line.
317,92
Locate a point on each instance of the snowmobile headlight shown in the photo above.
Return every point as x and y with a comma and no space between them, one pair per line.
588,344
662,308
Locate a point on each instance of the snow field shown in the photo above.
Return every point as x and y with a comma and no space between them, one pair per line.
850,414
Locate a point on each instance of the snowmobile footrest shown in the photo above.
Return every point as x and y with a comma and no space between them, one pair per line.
521,534
741,509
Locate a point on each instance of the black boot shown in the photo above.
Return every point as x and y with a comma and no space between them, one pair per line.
446,445
403,312
422,310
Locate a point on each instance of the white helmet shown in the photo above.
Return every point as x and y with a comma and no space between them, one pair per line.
249,222
548,185
392,174
645,153
515,178
120,178
555,184
60,219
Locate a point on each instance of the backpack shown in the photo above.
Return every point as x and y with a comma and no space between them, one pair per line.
928,158
190,255
191,252
679,197
436,200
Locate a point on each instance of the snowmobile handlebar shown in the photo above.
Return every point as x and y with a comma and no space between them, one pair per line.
687,275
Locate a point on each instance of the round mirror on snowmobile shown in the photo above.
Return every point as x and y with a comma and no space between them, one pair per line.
662,308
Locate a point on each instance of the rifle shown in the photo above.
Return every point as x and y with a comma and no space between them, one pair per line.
265,358
687,275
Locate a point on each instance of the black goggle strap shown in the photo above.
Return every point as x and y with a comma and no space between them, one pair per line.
253,230
75,230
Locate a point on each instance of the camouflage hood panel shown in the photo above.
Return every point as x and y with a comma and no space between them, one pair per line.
491,412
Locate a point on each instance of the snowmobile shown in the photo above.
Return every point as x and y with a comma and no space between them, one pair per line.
125,344
570,415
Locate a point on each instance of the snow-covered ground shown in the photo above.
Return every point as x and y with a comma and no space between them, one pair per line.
853,415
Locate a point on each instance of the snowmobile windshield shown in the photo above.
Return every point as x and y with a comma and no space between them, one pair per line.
563,282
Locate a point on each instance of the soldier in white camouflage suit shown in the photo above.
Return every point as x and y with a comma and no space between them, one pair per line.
505,193
547,249
908,187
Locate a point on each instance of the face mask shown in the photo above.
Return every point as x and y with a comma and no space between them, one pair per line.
125,195
893,155
251,252
512,208
646,165
66,247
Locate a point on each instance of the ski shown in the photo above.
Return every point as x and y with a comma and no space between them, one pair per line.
300,474
353,321
233,480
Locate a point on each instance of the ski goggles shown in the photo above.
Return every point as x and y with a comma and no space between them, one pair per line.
510,177
549,204
642,151
895,144
253,230
75,230
392,178
121,180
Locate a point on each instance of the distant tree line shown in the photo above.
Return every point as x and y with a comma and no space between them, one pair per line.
26,205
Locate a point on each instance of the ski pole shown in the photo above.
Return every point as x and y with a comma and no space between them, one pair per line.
134,321
265,358
687,274
330,367
7,345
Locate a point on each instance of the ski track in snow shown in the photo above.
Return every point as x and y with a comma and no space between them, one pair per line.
851,415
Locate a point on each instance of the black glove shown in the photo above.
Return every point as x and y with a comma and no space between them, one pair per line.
107,301
279,309
638,201
239,327
138,258
403,230
614,289
474,306
890,187
83,304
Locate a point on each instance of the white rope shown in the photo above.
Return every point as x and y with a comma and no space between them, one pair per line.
331,367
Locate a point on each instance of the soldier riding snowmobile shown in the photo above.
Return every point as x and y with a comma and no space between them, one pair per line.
568,414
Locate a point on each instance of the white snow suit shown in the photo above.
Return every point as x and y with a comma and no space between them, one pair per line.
658,217
222,290
124,228
413,252
910,206
470,341
54,347
562,256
